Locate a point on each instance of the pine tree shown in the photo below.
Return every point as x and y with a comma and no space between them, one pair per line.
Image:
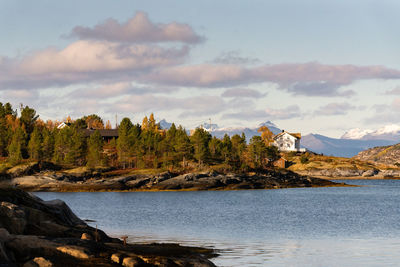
95,150
35,145
226,148
124,143
16,146
48,144
200,140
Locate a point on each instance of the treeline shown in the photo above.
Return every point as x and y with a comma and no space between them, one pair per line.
146,145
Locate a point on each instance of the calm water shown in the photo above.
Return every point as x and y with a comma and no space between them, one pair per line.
357,226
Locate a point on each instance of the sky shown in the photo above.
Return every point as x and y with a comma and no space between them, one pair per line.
308,66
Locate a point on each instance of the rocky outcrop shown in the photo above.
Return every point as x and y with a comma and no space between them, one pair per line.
388,155
349,172
268,179
34,232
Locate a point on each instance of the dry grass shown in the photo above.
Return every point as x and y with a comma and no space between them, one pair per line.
329,162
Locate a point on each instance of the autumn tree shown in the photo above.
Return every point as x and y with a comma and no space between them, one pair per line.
94,121
266,135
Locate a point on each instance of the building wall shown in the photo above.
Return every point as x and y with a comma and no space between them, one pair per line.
287,142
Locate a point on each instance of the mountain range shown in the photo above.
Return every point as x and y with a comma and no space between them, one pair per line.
348,145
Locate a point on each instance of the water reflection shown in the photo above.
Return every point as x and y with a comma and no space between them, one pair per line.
351,226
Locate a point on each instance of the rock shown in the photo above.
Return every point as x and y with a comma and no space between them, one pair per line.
12,217
69,243
131,262
116,257
86,236
38,262
74,251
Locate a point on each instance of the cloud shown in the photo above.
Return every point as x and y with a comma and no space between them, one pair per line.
193,106
386,113
242,93
138,29
233,57
110,90
394,91
311,79
289,112
333,109
86,61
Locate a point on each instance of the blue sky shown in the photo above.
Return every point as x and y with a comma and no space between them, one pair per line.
309,66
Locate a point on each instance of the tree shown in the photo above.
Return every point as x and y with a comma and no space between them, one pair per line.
214,147
266,135
257,150
28,118
124,143
95,149
182,146
16,146
238,149
94,121
200,140
48,144
226,147
35,144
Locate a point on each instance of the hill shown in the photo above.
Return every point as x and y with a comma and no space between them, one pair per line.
389,155
340,147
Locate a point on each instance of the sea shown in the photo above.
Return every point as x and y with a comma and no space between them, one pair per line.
331,226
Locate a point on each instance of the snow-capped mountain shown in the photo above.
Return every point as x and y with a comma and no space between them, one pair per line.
349,145
248,131
388,132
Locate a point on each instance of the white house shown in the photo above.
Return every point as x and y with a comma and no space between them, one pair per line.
288,141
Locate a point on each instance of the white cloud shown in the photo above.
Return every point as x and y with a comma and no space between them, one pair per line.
138,29
333,109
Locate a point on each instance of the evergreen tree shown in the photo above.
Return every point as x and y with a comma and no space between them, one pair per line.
124,143
35,144
257,150
28,119
48,144
226,148
182,147
200,140
95,150
214,147
77,154
16,146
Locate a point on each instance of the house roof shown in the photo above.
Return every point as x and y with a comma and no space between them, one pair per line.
295,135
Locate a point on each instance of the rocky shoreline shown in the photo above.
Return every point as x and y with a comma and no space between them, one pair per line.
344,173
34,232
53,181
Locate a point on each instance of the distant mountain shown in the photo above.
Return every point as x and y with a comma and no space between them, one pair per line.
388,132
249,132
340,147
164,124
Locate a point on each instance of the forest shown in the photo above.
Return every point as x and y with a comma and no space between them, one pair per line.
24,137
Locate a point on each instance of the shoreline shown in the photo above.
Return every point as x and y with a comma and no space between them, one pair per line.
357,178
